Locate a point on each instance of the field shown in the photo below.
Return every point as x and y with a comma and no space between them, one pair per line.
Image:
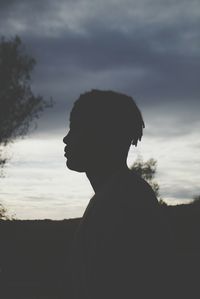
34,254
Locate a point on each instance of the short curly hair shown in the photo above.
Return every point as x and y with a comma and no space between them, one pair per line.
113,112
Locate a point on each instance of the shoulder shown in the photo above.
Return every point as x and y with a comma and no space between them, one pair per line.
134,189
127,195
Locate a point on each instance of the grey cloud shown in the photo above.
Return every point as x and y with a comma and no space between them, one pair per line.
154,48
78,15
23,8
6,4
172,122
180,191
183,186
167,74
147,50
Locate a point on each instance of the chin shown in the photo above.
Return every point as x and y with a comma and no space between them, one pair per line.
75,166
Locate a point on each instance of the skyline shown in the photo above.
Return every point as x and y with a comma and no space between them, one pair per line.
146,49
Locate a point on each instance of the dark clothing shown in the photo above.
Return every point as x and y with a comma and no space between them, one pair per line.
118,247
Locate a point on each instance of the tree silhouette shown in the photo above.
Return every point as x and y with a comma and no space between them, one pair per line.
196,200
147,170
18,105
3,213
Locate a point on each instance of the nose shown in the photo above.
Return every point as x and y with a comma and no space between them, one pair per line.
65,139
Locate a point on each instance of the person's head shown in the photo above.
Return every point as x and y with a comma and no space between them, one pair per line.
103,125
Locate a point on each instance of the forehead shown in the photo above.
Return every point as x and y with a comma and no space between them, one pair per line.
85,118
80,123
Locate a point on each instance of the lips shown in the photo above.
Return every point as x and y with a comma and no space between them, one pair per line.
65,150
66,153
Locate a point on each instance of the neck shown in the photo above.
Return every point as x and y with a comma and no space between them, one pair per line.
99,176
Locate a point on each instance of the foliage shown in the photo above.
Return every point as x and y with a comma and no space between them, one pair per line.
196,200
3,161
147,171
3,213
18,105
162,203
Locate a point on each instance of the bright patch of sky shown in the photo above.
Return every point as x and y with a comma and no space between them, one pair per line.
38,185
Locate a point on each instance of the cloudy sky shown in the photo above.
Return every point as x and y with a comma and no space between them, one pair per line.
148,49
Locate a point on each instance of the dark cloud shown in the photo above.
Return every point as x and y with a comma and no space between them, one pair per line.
170,75
23,8
148,50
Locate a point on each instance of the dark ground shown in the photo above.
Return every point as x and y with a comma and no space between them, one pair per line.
33,254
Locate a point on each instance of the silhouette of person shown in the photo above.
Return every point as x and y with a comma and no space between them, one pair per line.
116,247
